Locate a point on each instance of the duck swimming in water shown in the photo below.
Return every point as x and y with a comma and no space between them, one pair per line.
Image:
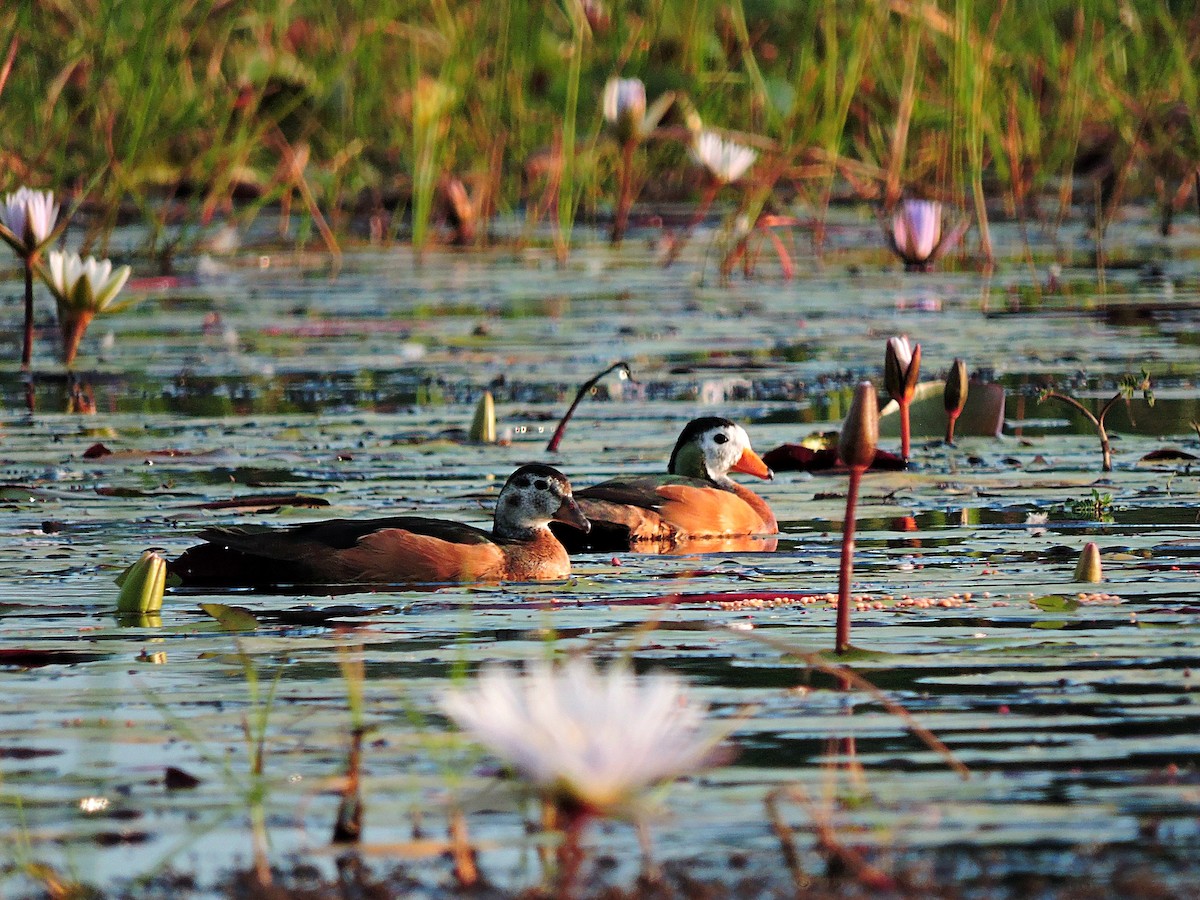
398,549
695,499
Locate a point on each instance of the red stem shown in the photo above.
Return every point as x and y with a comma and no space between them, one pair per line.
556,439
710,194
570,852
27,351
625,197
951,418
905,430
846,569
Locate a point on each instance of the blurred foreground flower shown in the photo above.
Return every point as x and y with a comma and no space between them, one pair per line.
589,741
27,220
917,234
83,288
901,369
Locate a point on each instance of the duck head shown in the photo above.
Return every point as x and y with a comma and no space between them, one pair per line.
712,447
534,496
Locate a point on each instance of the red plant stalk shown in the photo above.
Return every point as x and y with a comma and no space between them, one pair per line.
905,430
951,419
625,196
856,449
73,325
561,430
27,349
846,569
706,202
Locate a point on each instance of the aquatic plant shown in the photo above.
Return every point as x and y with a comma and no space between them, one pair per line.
347,826
623,372
483,423
142,585
901,371
1095,506
630,123
724,161
565,135
27,220
954,395
918,234
856,449
1089,568
589,742
432,102
1126,388
83,288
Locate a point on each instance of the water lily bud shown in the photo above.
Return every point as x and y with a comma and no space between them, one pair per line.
860,431
625,107
1088,568
142,584
483,426
901,368
917,231
955,396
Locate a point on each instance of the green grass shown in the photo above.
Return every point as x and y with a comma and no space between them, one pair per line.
168,111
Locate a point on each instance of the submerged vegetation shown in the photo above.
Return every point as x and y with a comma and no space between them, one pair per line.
189,115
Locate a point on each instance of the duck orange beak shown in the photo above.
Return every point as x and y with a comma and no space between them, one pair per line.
751,463
569,514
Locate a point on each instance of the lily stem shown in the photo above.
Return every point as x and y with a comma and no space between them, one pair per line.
706,202
625,196
570,852
905,431
846,569
1097,422
951,420
27,349
552,447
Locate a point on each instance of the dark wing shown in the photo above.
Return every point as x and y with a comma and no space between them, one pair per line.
296,541
625,511
641,492
341,551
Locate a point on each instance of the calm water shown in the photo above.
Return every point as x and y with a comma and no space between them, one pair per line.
1076,715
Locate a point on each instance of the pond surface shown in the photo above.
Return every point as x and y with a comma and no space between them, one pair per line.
1074,706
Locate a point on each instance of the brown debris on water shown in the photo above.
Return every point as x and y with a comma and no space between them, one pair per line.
862,602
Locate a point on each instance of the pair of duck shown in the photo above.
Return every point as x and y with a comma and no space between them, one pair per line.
695,499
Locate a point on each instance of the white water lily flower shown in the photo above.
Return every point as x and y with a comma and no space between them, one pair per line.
726,160
84,283
30,217
593,739
917,230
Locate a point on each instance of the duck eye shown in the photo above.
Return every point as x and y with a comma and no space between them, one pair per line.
720,437
541,484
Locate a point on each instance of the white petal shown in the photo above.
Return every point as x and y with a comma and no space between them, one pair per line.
902,350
